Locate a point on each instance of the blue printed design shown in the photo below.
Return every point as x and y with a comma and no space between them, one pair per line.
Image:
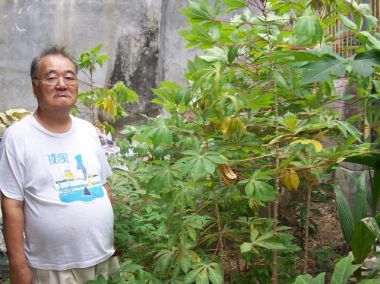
85,188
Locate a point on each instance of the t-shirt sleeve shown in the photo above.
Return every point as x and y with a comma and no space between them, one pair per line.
105,168
12,174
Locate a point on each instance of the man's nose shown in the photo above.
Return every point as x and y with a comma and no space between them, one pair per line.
61,84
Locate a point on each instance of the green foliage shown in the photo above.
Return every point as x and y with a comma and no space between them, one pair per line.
255,106
359,230
324,258
109,101
342,272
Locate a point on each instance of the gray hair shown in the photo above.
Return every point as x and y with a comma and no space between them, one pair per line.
52,50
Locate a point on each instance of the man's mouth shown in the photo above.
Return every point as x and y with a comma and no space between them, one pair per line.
62,95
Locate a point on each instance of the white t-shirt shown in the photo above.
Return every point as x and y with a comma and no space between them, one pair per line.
60,177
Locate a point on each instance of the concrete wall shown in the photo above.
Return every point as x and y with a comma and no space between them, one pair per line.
140,36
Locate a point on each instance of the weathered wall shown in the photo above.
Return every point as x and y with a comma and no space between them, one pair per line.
140,36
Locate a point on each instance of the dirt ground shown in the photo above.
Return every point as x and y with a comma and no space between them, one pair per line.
329,232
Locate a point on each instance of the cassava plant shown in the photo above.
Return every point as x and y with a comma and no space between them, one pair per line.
254,122
109,100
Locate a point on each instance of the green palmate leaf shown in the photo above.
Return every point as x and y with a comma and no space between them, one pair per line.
308,30
198,171
345,216
235,4
348,23
280,81
200,165
348,129
185,263
289,56
127,94
192,275
264,192
343,270
255,233
364,63
308,279
259,190
201,11
290,121
215,54
215,273
209,166
232,53
202,277
170,85
369,39
96,49
164,260
192,233
198,35
258,100
101,59
216,158
161,134
271,244
206,75
164,179
249,189
372,21
246,247
322,70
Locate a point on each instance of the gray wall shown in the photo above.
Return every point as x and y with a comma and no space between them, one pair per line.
140,36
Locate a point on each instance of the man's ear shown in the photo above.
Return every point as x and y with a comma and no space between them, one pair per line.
34,87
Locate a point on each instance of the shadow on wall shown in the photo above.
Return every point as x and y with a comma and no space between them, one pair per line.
137,64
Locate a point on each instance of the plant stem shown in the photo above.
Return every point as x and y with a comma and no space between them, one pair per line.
218,222
92,97
275,221
306,229
276,203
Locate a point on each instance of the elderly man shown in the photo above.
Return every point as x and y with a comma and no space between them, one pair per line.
57,214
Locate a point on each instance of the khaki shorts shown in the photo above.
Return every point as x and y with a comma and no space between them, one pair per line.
107,268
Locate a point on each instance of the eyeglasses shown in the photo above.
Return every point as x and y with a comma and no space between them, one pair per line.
53,81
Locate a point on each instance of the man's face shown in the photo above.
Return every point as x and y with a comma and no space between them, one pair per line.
55,85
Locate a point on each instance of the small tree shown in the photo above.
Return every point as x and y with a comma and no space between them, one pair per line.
109,100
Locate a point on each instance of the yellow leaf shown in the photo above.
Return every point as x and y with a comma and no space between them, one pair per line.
17,113
290,179
232,126
109,107
225,125
317,145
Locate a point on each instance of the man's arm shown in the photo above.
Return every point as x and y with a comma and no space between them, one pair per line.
13,229
108,189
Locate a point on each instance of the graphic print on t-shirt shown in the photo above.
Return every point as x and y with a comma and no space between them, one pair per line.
76,184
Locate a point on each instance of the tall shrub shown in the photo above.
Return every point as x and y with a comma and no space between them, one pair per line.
252,123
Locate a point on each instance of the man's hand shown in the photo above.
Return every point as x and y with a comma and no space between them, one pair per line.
20,274
108,189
